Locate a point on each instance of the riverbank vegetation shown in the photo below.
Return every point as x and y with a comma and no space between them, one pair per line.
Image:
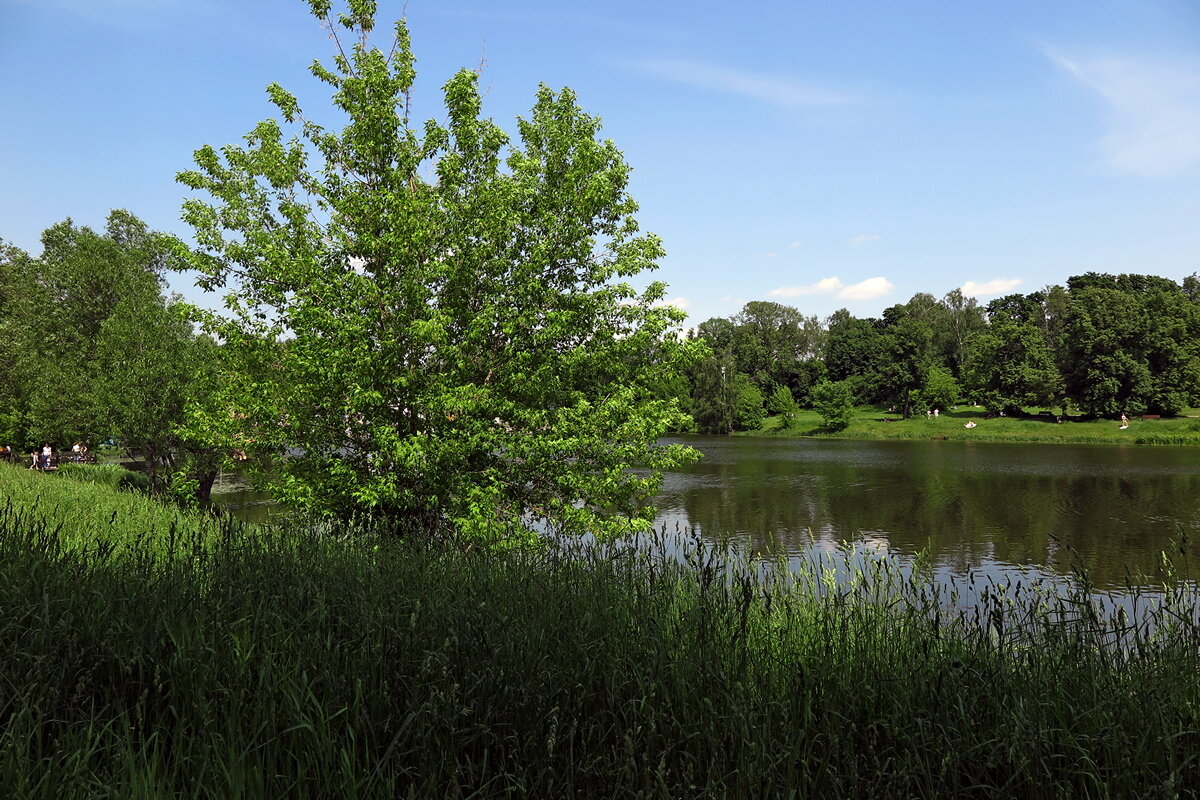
1100,346
877,423
146,657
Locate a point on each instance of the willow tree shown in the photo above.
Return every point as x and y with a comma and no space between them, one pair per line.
434,320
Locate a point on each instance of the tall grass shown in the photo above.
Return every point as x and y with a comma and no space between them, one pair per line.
314,663
113,476
84,507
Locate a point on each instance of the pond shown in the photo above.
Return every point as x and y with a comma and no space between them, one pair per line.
988,507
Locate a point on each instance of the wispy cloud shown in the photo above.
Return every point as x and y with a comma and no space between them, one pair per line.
794,245
679,302
867,290
770,255
863,290
823,286
864,238
777,90
1155,107
991,288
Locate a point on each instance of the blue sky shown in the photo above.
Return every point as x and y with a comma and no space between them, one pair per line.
819,154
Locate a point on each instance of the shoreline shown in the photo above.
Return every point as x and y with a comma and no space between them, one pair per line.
873,424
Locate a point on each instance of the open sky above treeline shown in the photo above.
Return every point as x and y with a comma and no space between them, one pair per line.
822,155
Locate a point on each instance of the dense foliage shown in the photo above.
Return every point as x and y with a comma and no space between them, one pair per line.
1103,345
90,347
433,321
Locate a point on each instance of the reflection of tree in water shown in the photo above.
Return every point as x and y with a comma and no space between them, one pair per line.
964,514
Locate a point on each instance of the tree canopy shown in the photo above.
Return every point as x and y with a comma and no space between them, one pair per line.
433,319
1105,344
92,349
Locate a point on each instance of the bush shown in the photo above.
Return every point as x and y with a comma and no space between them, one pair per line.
783,404
750,412
834,401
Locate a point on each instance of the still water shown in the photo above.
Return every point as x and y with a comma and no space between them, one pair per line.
968,506
987,507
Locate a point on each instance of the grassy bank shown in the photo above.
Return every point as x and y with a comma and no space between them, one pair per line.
309,664
877,423
90,504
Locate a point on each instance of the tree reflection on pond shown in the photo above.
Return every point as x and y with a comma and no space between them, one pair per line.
969,505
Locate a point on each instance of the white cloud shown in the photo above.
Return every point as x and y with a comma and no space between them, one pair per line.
867,290
993,288
864,238
1155,108
823,286
679,302
794,245
776,90
770,255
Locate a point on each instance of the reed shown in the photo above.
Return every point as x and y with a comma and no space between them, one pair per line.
314,661
113,476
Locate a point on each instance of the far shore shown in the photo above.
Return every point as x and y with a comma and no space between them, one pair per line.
876,423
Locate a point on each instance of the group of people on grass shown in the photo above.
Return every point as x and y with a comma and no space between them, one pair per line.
44,459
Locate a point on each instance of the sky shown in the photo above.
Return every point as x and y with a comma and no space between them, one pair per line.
823,155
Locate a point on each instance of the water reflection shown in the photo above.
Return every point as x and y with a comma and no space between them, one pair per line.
1006,510
995,507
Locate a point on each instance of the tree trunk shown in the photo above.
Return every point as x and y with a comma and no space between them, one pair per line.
204,488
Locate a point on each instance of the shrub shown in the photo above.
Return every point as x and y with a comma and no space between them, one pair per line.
834,401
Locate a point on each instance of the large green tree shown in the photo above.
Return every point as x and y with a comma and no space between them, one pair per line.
962,320
714,398
91,349
908,338
18,369
434,318
772,342
1011,367
1132,344
111,357
857,351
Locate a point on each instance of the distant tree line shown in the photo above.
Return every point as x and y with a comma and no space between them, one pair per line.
92,350
1102,345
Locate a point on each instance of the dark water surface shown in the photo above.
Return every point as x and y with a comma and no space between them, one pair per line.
969,505
1039,510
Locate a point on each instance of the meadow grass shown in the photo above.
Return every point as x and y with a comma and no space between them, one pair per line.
316,662
113,476
85,505
868,423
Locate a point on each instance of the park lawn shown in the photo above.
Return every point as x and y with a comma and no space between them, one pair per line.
869,423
